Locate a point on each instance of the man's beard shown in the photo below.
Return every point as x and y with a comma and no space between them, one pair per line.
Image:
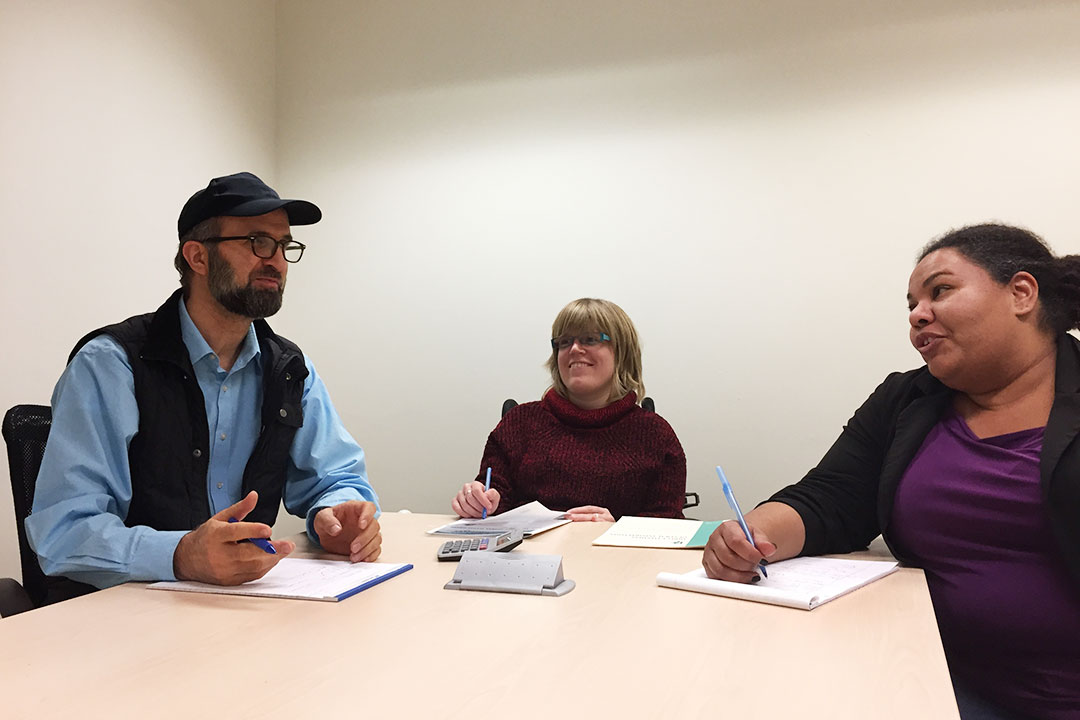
245,301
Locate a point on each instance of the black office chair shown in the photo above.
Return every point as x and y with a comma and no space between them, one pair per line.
25,429
647,404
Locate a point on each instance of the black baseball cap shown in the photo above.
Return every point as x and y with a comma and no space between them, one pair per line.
242,195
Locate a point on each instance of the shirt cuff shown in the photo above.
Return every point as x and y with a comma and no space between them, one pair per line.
152,558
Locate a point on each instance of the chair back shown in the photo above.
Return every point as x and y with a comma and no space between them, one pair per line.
690,499
26,430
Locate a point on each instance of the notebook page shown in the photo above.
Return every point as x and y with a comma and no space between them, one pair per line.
302,578
801,583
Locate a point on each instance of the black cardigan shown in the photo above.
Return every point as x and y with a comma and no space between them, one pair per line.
847,500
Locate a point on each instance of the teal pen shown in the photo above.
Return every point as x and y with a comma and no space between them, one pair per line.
738,513
487,486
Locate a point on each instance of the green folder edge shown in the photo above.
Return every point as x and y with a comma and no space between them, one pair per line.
701,537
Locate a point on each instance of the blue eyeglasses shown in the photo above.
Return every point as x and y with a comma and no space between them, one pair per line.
565,342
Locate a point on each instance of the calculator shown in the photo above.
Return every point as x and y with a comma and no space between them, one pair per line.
452,550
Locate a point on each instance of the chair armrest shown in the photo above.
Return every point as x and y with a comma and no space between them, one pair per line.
13,598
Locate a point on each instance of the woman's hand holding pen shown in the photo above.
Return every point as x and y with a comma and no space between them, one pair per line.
471,500
730,556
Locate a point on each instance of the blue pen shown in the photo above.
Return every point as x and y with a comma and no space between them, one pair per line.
261,543
738,513
487,486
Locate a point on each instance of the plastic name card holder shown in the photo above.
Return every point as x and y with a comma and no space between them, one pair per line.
512,573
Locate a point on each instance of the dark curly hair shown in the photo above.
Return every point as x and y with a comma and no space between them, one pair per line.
1003,251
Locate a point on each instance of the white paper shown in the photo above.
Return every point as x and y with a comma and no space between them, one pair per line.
803,583
302,578
632,531
531,519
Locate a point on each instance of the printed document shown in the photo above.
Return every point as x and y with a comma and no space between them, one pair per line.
531,519
650,532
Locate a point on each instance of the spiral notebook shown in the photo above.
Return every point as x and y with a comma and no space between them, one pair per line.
803,583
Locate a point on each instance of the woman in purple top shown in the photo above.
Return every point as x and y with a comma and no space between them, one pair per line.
970,468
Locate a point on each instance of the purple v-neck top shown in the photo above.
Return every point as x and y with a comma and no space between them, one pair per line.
970,512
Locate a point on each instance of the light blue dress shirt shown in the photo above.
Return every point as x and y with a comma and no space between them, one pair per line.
84,486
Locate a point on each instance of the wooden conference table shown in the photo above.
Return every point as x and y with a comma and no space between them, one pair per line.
616,646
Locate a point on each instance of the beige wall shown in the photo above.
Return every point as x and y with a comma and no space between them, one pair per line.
113,114
750,181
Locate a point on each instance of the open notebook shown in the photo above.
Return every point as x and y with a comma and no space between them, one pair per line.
302,579
802,583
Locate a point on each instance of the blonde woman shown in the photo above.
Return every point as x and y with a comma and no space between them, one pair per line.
587,446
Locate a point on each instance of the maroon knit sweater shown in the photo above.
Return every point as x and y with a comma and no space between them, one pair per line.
619,457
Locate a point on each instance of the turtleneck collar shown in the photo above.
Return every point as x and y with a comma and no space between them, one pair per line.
570,414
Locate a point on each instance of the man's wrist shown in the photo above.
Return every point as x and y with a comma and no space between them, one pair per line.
313,536
180,570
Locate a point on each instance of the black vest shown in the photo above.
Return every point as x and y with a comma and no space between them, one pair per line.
170,453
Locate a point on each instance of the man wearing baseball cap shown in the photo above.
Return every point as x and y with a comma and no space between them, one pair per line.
177,434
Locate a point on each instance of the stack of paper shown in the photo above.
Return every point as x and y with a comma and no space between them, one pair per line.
530,519
802,583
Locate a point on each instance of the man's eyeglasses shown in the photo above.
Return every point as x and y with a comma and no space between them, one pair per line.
265,247
565,342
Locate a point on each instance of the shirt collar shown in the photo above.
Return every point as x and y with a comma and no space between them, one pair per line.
198,349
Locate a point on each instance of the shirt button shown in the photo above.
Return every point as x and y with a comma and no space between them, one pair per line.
288,376
224,388
283,412
222,436
197,452
220,485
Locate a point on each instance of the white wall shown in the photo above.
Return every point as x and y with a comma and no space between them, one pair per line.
113,114
750,181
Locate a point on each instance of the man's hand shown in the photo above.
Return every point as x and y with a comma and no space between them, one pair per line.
730,556
472,500
215,552
590,513
350,529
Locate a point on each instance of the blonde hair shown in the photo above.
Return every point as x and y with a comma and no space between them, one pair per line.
588,315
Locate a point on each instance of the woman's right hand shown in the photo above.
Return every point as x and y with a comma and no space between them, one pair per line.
730,556
472,500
